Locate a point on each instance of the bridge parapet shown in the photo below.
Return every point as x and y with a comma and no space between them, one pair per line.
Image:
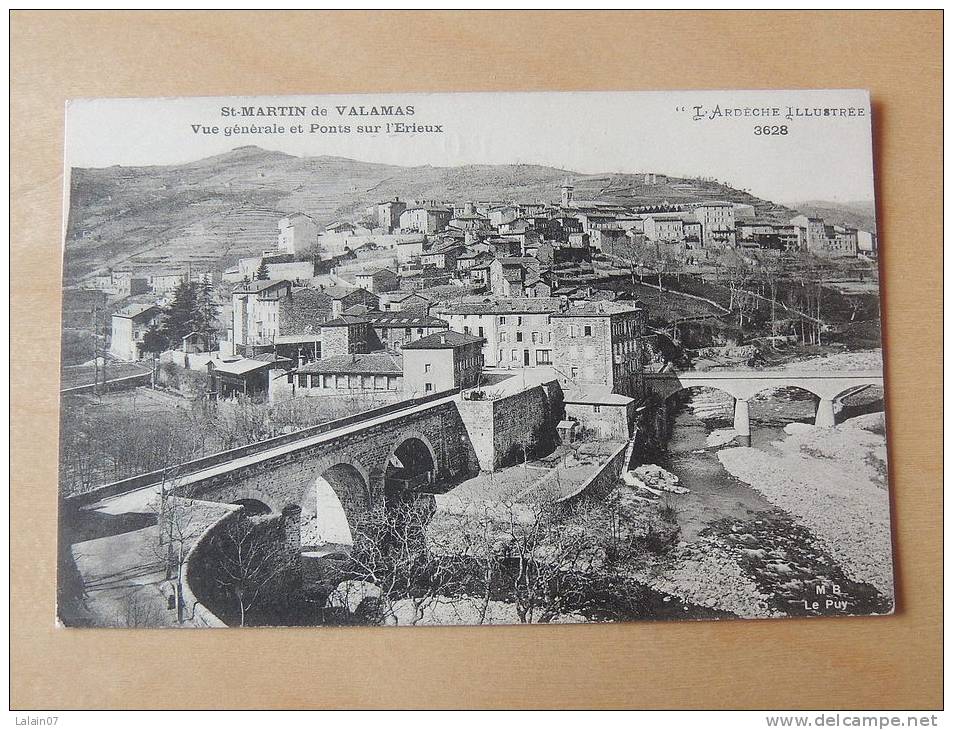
745,384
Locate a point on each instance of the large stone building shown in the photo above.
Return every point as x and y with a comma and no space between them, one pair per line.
296,233
388,214
517,332
600,344
394,330
256,314
346,334
429,219
716,218
664,227
812,232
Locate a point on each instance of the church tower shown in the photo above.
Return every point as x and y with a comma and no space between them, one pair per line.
567,189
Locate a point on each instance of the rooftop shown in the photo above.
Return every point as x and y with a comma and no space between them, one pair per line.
132,311
402,319
501,305
596,309
345,320
443,340
399,296
375,272
259,286
337,291
374,363
241,366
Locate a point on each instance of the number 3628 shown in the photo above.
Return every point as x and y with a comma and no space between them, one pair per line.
771,129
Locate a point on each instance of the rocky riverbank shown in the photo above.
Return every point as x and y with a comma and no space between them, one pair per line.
834,481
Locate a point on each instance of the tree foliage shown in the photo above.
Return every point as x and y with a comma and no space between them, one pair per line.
193,309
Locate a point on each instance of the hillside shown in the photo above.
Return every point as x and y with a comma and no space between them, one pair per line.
213,211
861,214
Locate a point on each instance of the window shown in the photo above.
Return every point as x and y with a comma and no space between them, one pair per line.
519,336
587,331
407,331
427,367
535,337
519,321
328,381
340,382
302,380
513,355
502,320
501,356
502,337
466,330
428,387
380,382
596,409
544,357
574,373
480,331
391,382
572,330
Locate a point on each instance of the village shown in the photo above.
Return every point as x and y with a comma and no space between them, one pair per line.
407,270
554,327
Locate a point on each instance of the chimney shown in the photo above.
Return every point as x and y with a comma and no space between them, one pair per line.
468,208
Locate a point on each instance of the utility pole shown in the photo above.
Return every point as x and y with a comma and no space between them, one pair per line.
103,351
94,323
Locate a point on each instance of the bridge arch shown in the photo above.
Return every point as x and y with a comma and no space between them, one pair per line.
411,463
874,383
332,504
776,388
256,502
682,388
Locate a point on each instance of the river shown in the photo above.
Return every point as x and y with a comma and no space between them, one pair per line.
781,558
714,493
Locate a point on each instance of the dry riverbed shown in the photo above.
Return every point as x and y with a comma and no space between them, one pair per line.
799,524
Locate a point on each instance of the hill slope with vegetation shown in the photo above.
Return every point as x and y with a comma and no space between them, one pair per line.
213,211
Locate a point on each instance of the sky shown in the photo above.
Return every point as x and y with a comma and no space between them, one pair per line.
811,156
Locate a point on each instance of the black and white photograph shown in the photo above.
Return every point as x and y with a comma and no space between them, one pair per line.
471,359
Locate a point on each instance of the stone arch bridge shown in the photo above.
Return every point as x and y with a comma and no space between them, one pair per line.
742,385
363,460
363,463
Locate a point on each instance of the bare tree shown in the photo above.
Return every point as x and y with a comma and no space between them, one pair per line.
252,560
391,551
771,268
178,528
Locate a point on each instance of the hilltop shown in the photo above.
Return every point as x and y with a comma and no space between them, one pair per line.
213,211
859,214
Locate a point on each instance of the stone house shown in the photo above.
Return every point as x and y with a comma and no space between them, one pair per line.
600,344
378,373
377,281
129,326
442,361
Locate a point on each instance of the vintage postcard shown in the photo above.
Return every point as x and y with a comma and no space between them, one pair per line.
471,359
